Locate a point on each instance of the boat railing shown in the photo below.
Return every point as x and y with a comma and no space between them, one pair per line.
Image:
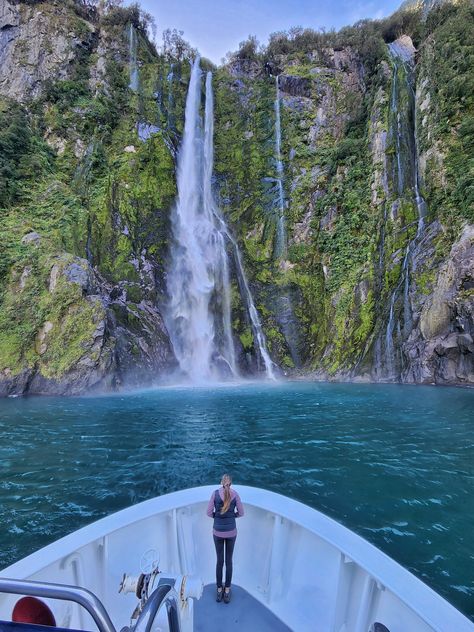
81,596
164,594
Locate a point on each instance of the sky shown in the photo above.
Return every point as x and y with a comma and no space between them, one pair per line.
215,28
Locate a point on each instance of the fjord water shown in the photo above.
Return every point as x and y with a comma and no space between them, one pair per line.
394,463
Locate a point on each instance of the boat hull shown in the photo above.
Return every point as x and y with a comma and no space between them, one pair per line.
307,569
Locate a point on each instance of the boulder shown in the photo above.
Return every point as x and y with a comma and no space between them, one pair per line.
295,86
32,238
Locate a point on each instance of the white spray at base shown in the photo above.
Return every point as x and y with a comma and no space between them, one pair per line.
198,315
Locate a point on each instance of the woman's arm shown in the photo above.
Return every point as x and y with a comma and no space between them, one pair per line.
238,506
210,507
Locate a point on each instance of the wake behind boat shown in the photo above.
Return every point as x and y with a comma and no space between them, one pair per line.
295,569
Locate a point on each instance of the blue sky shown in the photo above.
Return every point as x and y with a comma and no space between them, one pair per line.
217,27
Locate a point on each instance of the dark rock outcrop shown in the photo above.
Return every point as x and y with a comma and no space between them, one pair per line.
124,344
30,54
441,348
295,86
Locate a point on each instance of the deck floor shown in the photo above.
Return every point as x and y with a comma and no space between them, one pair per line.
243,613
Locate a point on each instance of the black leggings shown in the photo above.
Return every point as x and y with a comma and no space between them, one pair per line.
228,545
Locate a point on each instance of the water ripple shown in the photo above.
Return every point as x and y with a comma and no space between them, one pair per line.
391,465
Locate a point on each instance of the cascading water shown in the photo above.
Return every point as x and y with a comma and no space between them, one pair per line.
285,315
190,278
170,123
132,58
198,314
223,234
257,329
222,279
280,241
407,177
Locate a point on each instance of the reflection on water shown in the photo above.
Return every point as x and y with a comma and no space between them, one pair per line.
393,463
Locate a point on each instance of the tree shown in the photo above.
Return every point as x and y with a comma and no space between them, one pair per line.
176,47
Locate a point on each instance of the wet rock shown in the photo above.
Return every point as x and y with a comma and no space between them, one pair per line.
295,86
145,131
13,385
327,221
403,47
24,277
244,68
31,238
9,15
72,270
80,274
27,31
465,343
41,345
441,349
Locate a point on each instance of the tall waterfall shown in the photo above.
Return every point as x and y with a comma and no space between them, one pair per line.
280,241
406,175
132,58
198,316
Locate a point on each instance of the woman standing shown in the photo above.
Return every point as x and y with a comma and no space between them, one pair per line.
224,506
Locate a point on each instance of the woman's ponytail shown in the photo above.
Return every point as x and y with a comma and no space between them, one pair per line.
226,482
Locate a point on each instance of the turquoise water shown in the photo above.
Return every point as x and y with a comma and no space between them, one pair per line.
394,463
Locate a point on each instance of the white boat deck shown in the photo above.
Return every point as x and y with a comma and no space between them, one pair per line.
244,613
298,569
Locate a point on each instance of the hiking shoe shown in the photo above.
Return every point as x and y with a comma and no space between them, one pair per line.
226,596
219,594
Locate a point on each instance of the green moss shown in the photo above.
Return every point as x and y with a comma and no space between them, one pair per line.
246,338
11,348
72,338
366,320
425,281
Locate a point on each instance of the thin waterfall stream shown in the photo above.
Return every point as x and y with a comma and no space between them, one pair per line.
280,241
132,58
210,210
407,178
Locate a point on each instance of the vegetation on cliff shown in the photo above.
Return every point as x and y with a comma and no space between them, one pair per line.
87,163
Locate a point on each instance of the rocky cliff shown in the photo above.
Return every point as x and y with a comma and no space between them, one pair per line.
356,227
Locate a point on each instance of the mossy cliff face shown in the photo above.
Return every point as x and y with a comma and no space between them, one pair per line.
362,138
89,137
88,175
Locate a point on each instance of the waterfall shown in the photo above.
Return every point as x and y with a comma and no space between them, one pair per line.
398,131
285,317
190,279
280,241
408,183
211,212
402,57
170,118
259,336
223,234
132,58
198,315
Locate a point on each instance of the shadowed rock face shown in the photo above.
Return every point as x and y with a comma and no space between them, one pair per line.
441,348
29,55
295,86
125,343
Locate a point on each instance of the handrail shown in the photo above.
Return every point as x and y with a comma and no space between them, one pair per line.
152,606
79,595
